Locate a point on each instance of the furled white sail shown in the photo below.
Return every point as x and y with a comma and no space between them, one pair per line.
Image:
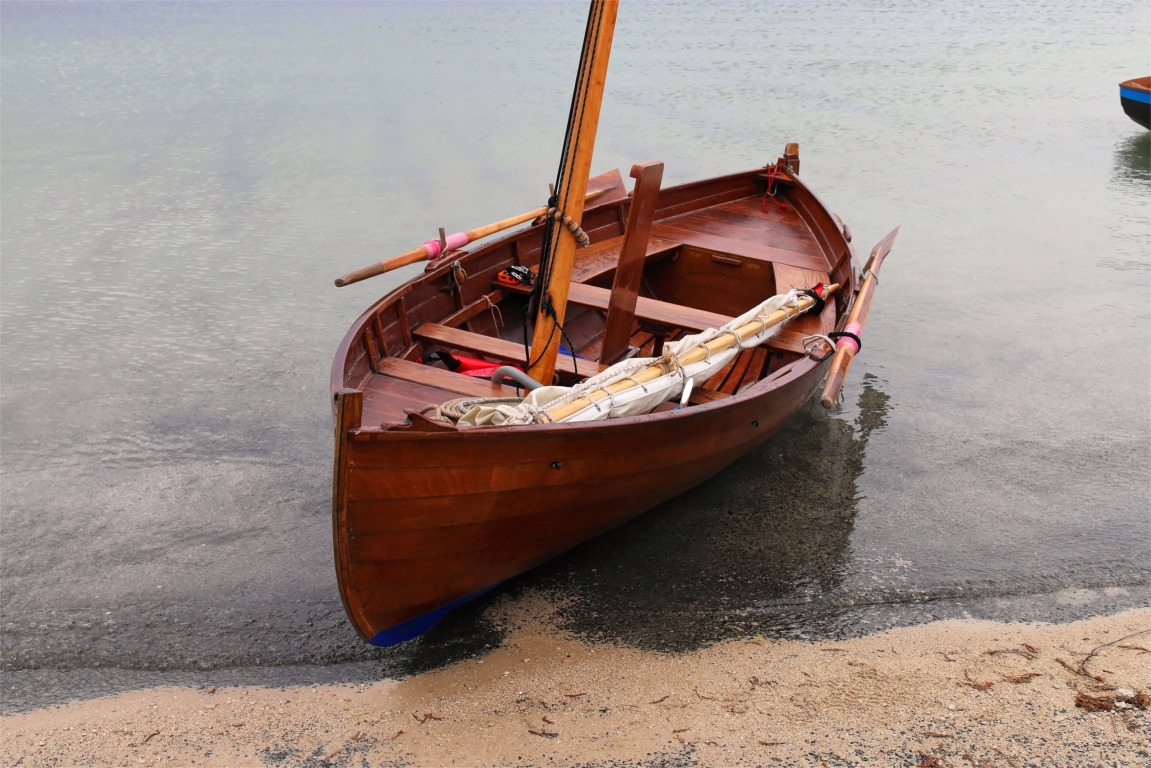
638,385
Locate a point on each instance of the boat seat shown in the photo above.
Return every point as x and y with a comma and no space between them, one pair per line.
788,277
440,378
600,259
651,310
491,347
744,248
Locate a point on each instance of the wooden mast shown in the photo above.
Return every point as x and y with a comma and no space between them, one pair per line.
572,187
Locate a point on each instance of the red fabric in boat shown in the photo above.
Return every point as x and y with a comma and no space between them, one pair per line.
471,366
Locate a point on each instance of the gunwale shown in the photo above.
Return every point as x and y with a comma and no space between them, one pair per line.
674,203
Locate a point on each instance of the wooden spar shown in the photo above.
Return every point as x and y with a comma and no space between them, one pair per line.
404,259
431,249
692,356
582,125
846,348
629,268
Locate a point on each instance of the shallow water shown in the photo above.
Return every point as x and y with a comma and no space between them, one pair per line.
180,183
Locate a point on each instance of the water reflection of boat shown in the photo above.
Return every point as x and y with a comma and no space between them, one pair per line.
1132,162
1135,96
748,552
428,512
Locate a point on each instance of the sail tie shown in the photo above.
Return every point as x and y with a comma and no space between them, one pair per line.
818,302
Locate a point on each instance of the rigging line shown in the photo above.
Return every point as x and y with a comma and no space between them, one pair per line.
579,92
583,84
564,336
576,109
547,249
527,357
550,241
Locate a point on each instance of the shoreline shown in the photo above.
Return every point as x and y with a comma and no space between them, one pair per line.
949,693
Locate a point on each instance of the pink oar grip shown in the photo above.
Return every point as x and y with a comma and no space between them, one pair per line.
454,241
847,341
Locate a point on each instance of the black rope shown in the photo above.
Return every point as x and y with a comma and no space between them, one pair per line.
817,307
550,311
836,335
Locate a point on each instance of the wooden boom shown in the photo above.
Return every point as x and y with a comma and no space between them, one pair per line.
847,347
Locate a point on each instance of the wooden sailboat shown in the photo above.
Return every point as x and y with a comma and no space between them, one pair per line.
429,512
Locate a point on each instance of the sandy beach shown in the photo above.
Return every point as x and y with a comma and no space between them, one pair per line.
952,693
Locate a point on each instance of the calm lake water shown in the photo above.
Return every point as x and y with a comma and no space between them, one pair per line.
181,182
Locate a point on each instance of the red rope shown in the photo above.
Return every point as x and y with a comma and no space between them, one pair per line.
772,173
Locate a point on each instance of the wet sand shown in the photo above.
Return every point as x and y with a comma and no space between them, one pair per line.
950,693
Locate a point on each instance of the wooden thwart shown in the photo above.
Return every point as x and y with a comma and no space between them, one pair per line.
652,310
601,258
489,347
735,247
418,373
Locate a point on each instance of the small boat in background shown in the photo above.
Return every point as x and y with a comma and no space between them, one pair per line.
1135,96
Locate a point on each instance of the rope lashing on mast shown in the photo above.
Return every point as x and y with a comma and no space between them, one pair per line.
577,231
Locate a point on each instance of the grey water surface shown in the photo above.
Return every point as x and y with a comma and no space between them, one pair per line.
181,182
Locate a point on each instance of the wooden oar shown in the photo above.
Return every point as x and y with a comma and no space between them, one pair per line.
847,347
692,356
432,248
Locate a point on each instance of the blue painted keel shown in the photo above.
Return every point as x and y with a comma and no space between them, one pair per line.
415,627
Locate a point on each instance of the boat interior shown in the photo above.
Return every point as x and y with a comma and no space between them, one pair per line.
705,255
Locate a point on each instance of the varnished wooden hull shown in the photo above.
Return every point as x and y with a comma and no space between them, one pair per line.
426,516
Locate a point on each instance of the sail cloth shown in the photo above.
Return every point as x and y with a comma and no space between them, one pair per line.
636,386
